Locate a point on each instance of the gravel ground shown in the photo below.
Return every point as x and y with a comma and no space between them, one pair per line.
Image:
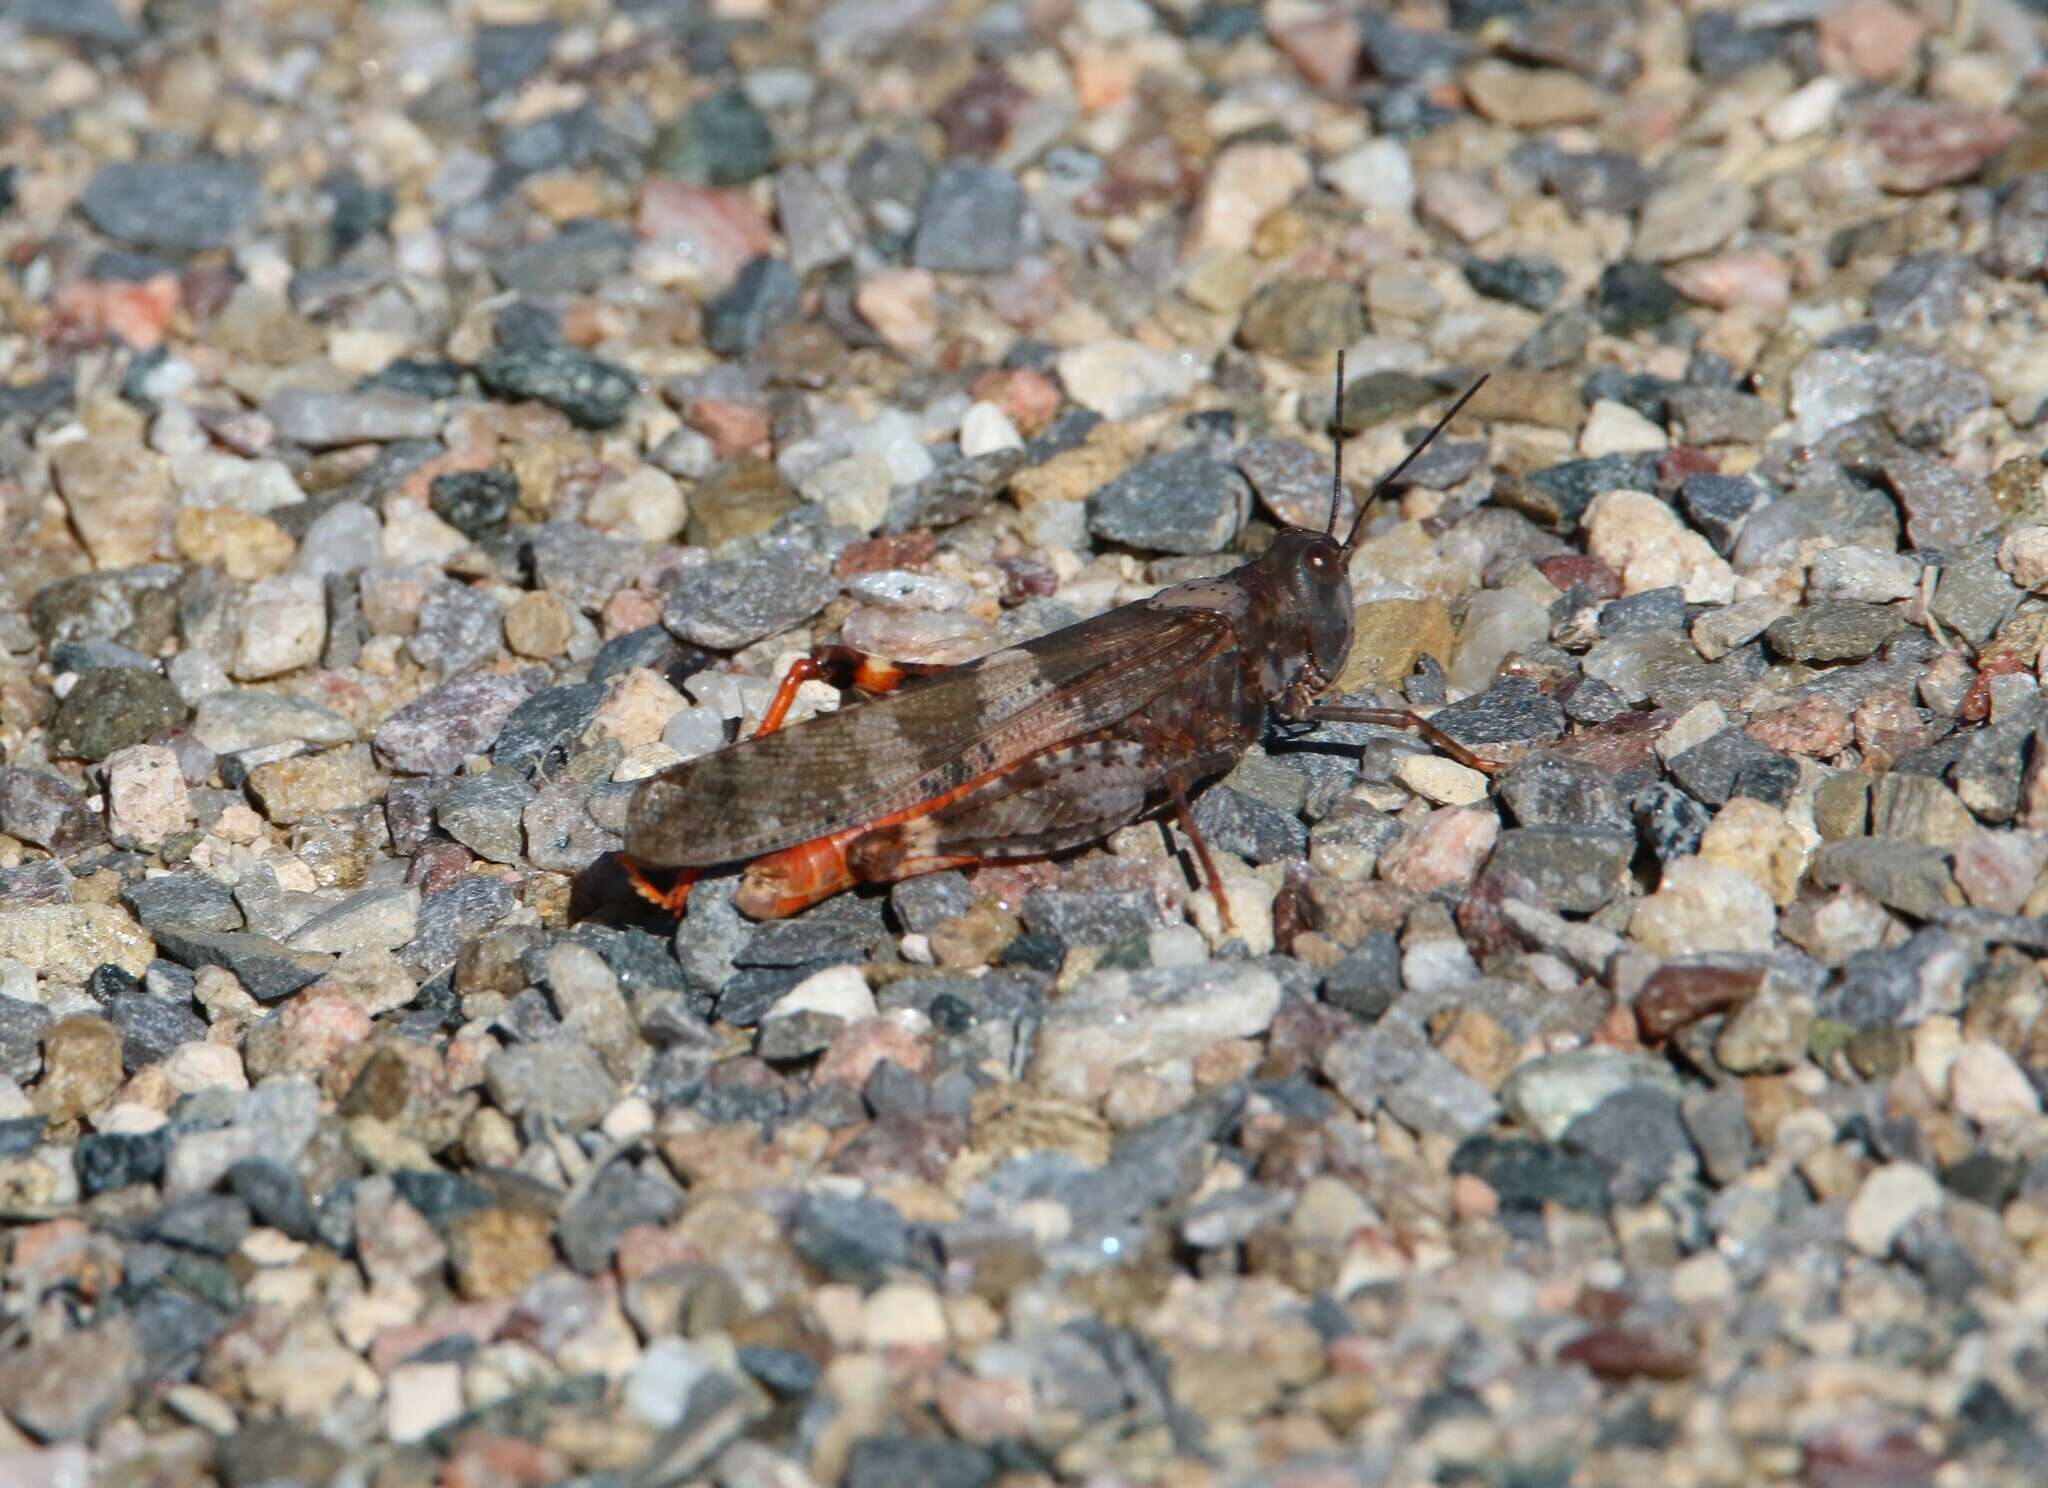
419,424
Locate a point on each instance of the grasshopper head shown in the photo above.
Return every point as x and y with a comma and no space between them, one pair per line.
1313,571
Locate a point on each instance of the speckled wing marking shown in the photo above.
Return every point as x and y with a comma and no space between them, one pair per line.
870,759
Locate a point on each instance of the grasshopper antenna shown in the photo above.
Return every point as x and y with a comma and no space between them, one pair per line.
1337,440
1406,460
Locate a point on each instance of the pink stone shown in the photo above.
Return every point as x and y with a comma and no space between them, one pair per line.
1869,39
646,1248
1996,870
394,1242
714,229
1324,49
1753,277
985,1410
315,1028
902,307
861,1046
1815,726
1926,146
90,310
478,1320
1246,185
1445,853
629,610
733,428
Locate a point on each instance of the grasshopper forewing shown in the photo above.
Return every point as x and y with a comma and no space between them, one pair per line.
1032,750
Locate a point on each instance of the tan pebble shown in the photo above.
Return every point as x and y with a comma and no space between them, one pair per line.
640,705
537,625
1443,781
901,305
247,545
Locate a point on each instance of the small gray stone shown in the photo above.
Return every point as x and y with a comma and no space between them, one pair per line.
152,1027
1576,869
1548,790
1901,875
384,918
1835,630
1091,916
435,732
482,812
454,916
320,420
1184,502
1505,721
561,1080
921,903
1973,596
581,567
814,220
971,221
176,207
561,835
622,1197
191,899
593,393
765,295
110,709
1942,507
733,602
1237,823
229,722
267,969
1637,1135
21,1038
460,628
41,808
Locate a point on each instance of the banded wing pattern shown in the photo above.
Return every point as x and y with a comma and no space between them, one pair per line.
872,759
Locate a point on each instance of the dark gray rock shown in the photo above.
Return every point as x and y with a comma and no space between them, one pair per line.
1732,763
544,723
971,220
729,603
1508,718
173,207
192,899
1637,1136
21,1038
43,809
112,708
151,1027
1899,874
765,295
1187,501
860,1240
451,917
1234,822
1576,869
1549,790
1090,916
592,392
482,812
1834,630
267,969
622,1197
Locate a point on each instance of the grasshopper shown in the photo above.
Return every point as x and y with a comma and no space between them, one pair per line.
1029,751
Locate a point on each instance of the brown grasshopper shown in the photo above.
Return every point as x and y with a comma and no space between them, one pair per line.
1029,751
